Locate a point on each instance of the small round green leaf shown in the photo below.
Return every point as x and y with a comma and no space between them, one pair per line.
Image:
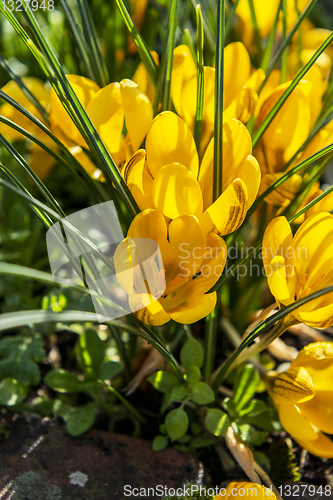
109,369
11,392
179,392
202,394
159,443
163,381
193,374
176,423
192,354
79,420
217,422
63,381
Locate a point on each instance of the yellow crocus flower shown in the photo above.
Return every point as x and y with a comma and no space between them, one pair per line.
299,265
193,262
165,176
108,108
243,489
40,161
304,398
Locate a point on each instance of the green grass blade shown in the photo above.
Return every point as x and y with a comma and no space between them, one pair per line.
286,41
284,55
200,79
101,72
230,18
142,49
271,40
35,179
162,96
298,168
34,101
218,119
211,323
208,28
76,111
311,204
262,328
79,40
274,111
256,32
20,189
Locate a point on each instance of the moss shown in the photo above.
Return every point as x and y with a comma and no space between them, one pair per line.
283,465
29,486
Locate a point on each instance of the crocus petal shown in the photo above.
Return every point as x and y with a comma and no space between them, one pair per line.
194,309
291,126
251,176
228,212
86,163
85,90
152,314
139,180
141,77
40,161
183,69
316,317
265,14
277,277
107,114
237,146
237,70
322,446
277,239
11,88
185,252
293,386
317,356
282,195
296,424
138,112
313,256
149,224
177,192
319,411
170,140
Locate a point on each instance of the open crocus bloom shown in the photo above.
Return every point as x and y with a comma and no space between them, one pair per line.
243,489
192,260
108,108
300,265
240,88
40,161
304,398
165,176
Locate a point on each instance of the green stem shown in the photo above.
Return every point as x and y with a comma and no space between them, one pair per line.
200,79
210,343
218,120
284,56
124,401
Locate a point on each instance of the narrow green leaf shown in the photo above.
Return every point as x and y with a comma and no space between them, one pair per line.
210,343
274,111
284,55
245,385
142,49
218,119
263,327
162,96
287,40
217,422
124,401
271,40
90,352
256,32
230,18
200,79
100,69
311,204
79,39
176,423
209,28
18,80
109,369
298,168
